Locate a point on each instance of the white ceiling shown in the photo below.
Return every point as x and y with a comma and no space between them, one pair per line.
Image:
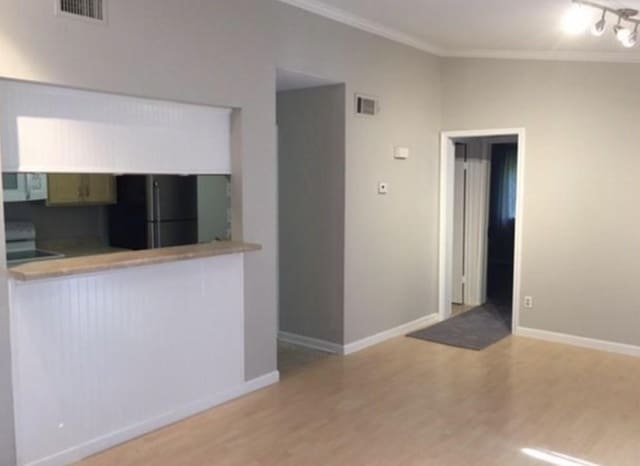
484,28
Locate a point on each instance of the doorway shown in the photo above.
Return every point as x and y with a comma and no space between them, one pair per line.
311,128
501,224
482,174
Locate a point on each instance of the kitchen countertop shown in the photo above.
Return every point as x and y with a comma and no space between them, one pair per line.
119,260
78,247
82,251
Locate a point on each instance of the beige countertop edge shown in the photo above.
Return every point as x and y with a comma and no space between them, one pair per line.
127,259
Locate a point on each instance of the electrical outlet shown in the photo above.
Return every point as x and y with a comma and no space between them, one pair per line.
528,302
383,188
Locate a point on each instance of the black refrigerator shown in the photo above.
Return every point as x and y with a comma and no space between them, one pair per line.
154,211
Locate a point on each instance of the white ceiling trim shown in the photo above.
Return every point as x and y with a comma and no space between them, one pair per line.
342,16
356,21
608,57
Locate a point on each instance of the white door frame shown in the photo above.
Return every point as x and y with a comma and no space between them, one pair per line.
447,175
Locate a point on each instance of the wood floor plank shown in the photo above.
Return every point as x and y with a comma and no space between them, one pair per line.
408,402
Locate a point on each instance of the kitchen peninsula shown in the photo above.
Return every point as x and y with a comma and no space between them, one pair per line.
107,347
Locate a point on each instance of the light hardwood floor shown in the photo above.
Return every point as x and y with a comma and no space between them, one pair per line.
294,358
408,402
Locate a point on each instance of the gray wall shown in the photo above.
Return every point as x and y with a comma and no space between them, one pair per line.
311,179
390,241
581,228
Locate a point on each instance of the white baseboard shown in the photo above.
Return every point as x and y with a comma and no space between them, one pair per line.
112,439
583,342
308,342
258,383
359,345
391,333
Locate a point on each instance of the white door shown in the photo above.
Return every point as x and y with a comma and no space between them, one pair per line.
459,225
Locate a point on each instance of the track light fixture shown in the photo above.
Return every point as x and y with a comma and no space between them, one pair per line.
577,20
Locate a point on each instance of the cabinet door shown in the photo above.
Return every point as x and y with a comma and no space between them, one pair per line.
78,189
36,184
65,189
100,189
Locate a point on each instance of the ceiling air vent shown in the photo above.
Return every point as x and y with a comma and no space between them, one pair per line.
366,106
87,9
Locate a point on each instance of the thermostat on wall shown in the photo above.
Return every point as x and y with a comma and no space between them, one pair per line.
401,152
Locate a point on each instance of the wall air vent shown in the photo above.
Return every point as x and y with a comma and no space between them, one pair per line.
366,106
84,9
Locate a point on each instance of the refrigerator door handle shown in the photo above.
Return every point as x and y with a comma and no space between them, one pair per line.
151,232
156,204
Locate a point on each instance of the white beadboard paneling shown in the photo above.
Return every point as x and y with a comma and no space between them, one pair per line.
53,129
100,354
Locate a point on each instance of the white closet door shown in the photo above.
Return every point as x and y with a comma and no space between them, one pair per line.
459,226
53,129
476,222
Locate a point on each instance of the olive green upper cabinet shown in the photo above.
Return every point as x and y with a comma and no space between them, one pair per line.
81,189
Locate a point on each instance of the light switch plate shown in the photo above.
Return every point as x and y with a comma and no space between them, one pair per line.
383,188
401,153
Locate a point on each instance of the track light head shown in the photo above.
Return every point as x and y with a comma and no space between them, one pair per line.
622,33
599,28
630,39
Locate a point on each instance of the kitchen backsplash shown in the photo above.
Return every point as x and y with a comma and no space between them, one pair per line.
61,223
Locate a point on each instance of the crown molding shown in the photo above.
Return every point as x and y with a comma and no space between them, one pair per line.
546,55
358,22
337,14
